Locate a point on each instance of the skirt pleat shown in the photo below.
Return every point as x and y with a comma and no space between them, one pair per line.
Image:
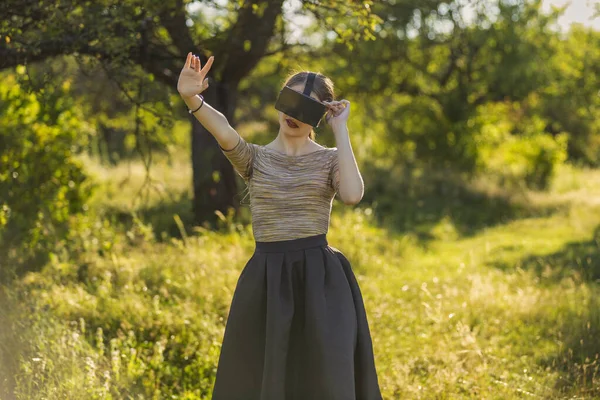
297,328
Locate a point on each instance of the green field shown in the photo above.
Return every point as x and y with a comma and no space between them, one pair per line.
487,294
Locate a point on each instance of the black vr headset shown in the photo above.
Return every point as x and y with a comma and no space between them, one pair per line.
300,105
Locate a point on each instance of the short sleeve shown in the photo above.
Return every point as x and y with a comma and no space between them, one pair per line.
334,172
241,157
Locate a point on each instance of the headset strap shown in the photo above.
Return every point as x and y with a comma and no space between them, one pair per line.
310,79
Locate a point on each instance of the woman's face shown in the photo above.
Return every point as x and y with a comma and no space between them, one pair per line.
291,126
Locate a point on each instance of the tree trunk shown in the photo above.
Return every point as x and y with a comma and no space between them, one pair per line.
214,179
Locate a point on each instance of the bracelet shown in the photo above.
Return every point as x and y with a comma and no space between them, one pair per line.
201,104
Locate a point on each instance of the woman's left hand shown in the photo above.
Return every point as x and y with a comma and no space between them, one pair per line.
338,112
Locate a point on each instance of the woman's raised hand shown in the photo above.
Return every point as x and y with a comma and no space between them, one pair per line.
192,79
338,112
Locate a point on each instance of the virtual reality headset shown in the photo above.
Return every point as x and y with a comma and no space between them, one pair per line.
300,105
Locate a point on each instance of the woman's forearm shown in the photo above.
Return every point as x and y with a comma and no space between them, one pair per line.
214,121
352,186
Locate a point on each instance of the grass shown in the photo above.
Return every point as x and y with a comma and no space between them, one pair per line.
509,309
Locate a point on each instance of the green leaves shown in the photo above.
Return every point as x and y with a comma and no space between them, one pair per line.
41,184
350,21
512,146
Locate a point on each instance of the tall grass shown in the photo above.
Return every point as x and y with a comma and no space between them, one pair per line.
506,311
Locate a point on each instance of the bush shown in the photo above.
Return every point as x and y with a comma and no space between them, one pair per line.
41,182
513,147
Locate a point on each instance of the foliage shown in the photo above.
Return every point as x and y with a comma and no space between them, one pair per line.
421,68
41,182
570,100
139,328
513,147
429,71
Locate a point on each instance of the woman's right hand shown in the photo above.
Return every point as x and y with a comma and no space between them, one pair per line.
192,79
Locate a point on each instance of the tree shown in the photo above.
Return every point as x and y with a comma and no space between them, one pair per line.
144,40
431,68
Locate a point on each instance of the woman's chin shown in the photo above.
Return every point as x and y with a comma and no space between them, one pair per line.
293,131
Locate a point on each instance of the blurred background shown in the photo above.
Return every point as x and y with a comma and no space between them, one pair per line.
123,228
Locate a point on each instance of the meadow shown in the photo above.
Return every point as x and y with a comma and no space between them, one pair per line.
471,291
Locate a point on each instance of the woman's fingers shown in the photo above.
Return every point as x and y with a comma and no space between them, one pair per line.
188,60
205,84
336,104
333,105
341,105
193,62
335,108
207,65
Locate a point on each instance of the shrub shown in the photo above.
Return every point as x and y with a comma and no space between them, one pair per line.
513,147
41,182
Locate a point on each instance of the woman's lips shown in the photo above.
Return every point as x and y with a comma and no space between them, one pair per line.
291,123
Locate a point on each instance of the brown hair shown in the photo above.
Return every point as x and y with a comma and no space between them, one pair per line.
323,87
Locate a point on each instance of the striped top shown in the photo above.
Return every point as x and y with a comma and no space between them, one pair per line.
290,196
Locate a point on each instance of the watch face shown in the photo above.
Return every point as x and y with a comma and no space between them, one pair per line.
299,106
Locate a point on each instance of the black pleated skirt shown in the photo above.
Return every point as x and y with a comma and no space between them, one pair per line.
297,328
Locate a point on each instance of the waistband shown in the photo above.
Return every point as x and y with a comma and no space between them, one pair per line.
292,244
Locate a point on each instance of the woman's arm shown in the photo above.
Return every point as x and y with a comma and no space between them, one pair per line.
351,186
192,81
345,174
214,121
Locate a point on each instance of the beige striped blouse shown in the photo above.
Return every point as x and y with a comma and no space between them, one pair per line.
290,196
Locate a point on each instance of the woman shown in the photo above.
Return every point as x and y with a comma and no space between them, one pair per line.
297,327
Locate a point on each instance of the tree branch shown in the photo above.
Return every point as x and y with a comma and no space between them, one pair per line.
255,25
174,21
